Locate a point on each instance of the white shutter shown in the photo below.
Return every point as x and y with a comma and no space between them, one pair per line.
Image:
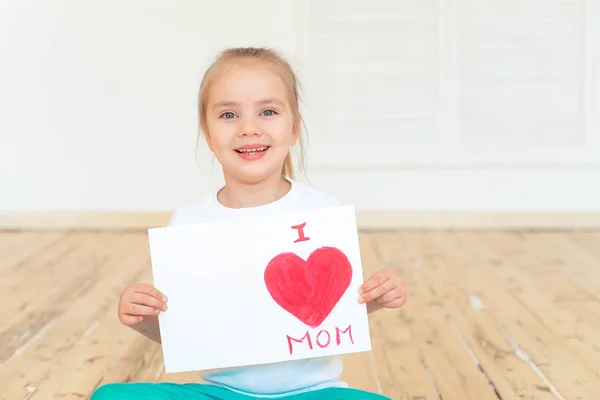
521,68
372,78
453,82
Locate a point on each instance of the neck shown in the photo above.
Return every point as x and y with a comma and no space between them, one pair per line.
240,194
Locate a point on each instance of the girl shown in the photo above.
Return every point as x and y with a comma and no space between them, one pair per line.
249,116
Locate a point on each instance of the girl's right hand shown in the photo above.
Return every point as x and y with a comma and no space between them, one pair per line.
139,300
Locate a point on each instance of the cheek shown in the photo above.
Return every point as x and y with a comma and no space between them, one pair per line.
221,135
281,131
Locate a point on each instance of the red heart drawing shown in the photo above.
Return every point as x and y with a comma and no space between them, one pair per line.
309,289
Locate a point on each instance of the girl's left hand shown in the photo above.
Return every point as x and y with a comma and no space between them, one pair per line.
385,289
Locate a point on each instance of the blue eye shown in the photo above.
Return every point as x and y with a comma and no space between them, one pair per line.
228,115
268,113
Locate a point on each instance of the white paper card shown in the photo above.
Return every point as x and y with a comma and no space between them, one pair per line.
260,291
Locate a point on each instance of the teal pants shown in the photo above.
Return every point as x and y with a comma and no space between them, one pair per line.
198,391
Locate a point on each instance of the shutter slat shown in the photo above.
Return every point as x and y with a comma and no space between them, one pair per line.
521,64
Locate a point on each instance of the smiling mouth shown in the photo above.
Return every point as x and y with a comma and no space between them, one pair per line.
252,151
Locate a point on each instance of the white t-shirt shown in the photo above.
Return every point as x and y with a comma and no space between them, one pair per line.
277,379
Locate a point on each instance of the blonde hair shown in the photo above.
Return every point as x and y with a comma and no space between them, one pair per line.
280,65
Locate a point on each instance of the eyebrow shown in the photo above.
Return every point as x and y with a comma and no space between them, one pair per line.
226,103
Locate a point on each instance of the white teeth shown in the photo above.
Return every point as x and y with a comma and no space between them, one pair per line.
252,150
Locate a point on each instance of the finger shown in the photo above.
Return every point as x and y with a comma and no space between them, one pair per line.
137,310
390,296
374,281
147,300
131,319
396,303
150,290
377,291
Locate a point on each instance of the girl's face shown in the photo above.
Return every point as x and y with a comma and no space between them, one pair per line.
250,122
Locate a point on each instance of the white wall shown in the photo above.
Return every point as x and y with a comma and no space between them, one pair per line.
98,99
458,104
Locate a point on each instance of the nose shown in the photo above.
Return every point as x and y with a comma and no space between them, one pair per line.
248,127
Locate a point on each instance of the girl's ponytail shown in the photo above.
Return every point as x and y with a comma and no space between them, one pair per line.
288,166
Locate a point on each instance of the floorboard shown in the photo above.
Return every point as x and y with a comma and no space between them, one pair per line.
490,315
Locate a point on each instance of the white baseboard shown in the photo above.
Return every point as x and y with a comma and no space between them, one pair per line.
73,220
385,220
479,220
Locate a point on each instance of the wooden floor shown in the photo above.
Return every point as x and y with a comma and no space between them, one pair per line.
489,316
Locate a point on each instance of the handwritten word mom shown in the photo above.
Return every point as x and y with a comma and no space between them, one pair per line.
322,339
